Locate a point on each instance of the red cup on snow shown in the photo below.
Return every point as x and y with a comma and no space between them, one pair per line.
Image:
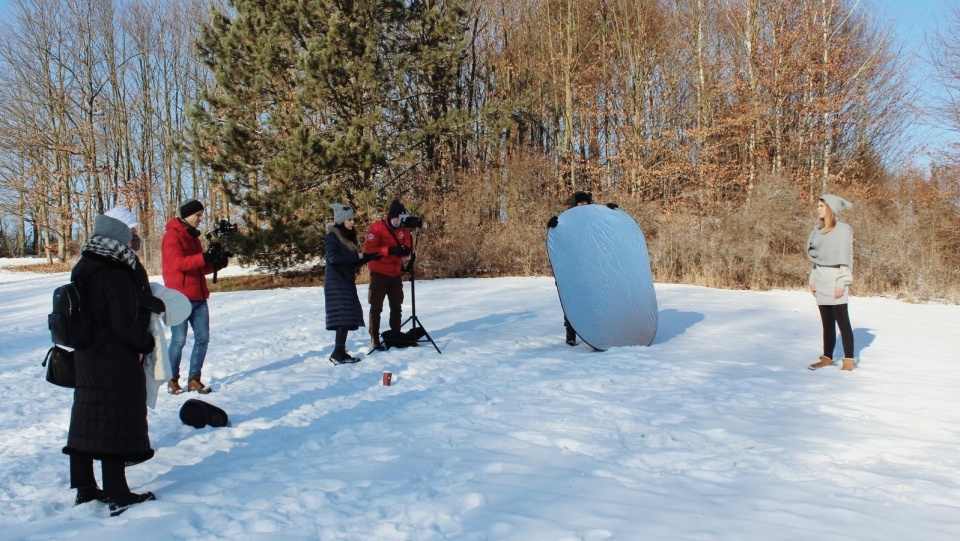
387,377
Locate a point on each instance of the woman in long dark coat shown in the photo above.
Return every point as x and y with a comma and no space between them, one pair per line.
343,310
108,421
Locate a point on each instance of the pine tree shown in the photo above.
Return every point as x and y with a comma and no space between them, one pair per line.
321,102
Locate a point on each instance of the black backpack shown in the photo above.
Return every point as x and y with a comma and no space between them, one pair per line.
70,322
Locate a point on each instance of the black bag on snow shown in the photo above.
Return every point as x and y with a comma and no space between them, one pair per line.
70,322
199,414
60,370
409,339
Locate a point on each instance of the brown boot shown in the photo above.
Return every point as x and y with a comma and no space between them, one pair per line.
848,363
173,387
824,361
195,385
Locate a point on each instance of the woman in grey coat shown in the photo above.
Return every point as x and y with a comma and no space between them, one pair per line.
343,261
830,248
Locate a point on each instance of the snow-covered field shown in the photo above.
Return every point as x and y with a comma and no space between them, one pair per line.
715,432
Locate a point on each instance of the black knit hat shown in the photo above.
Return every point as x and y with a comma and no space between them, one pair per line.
199,414
580,197
190,208
396,209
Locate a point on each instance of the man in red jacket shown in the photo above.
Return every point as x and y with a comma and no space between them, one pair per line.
185,266
392,242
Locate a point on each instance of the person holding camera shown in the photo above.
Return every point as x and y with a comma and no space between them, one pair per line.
391,240
185,266
343,262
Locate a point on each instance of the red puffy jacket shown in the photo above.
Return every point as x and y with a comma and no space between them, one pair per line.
381,236
181,257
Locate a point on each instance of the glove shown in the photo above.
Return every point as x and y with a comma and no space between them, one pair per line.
613,206
552,222
156,305
366,258
400,251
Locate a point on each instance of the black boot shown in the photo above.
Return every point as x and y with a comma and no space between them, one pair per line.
340,355
89,494
121,503
571,334
115,485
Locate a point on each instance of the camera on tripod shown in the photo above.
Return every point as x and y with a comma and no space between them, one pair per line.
223,229
410,221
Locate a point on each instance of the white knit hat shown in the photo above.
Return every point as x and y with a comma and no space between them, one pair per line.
124,215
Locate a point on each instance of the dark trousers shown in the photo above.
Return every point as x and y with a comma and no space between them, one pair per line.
835,316
391,288
113,471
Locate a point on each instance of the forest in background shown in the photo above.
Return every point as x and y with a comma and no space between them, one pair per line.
715,123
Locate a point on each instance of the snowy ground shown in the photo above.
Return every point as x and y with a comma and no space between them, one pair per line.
715,432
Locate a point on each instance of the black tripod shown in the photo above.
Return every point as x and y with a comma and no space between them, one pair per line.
422,335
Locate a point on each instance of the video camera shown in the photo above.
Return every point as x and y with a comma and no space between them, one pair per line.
223,229
410,222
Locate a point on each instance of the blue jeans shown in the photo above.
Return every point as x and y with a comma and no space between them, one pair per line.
200,321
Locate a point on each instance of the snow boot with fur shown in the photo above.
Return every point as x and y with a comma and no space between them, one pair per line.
824,361
848,363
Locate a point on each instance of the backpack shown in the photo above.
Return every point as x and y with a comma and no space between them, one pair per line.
70,322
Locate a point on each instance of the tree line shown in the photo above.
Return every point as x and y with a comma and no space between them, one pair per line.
715,123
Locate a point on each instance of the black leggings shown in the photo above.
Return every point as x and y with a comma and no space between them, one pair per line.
114,475
836,315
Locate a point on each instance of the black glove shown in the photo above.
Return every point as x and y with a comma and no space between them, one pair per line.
613,206
156,305
552,222
399,251
366,258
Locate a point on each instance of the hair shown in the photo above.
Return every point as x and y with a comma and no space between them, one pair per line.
828,222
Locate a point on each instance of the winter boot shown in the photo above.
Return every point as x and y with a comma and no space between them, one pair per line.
337,356
89,494
121,504
195,385
848,363
824,361
173,387
571,335
340,355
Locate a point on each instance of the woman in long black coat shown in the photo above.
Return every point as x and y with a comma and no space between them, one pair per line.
343,262
108,421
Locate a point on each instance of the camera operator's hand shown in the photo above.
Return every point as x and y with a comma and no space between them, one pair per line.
216,256
552,222
401,251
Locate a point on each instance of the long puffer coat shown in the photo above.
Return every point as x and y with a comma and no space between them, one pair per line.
340,279
109,415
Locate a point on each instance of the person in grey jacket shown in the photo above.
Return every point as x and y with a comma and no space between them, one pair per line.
830,248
